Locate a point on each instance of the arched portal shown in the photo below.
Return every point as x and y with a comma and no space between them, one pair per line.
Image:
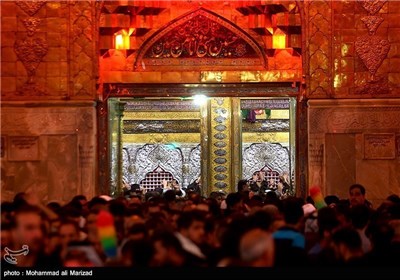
244,57
203,40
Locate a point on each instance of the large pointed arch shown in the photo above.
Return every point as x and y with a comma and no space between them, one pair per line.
200,40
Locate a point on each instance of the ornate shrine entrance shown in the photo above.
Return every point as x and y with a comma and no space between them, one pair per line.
250,74
221,140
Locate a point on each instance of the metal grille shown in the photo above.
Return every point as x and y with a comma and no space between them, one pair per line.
154,179
269,173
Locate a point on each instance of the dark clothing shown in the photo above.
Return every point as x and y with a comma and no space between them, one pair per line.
286,188
193,188
325,257
194,261
386,256
214,255
254,187
289,247
159,190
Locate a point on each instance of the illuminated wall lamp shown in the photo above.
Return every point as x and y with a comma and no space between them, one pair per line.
122,39
279,39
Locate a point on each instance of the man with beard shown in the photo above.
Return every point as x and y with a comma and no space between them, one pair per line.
357,196
28,232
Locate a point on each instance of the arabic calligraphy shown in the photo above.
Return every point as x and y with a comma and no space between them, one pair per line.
200,37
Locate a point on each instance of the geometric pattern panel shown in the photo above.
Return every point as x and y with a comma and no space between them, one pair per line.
257,156
183,163
269,174
155,178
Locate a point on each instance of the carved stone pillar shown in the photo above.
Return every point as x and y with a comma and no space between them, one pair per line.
315,160
103,148
87,151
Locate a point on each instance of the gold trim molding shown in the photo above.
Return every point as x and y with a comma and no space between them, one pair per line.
271,137
161,115
153,138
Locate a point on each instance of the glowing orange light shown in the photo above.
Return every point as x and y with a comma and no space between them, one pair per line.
131,30
279,39
119,42
122,40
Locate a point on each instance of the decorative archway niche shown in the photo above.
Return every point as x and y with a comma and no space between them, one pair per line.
200,40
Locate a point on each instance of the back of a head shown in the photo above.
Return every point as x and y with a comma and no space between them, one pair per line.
271,198
170,195
257,248
150,195
380,233
186,218
168,239
83,253
293,210
138,228
140,252
272,210
271,195
117,208
19,196
347,236
241,185
96,202
343,208
232,199
194,197
256,200
135,187
54,206
331,199
7,206
394,211
79,197
393,198
19,200
327,219
216,195
360,215
310,200
261,219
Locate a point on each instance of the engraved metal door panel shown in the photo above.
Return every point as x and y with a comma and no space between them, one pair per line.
268,138
157,139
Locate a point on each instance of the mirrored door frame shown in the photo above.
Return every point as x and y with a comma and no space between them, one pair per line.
124,92
237,170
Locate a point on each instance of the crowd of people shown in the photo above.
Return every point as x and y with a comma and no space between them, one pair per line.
239,229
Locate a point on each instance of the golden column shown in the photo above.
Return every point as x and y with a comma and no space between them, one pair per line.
220,145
